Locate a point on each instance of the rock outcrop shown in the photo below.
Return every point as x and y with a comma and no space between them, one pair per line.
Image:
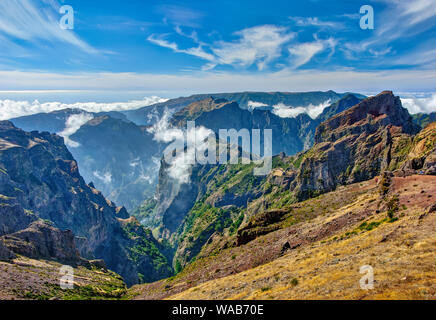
355,145
5,253
42,241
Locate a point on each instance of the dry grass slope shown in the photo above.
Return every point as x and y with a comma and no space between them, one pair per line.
401,252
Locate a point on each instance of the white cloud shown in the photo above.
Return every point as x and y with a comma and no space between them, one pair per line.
313,111
195,51
180,165
181,16
316,22
215,82
304,52
73,123
162,130
11,109
36,21
253,105
420,105
410,16
105,177
193,35
255,46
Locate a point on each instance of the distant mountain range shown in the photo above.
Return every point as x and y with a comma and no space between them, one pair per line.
360,142
245,100
116,152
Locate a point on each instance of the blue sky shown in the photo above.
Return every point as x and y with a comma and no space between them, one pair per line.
129,49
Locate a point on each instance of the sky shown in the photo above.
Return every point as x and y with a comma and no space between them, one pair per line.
122,50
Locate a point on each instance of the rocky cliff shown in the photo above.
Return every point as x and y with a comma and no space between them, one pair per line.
40,179
354,145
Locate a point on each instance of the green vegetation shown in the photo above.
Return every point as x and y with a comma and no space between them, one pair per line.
393,206
104,286
49,222
294,282
145,210
145,245
5,198
178,267
298,160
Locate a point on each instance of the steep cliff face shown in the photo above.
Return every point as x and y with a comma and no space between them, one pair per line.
421,151
39,174
355,145
120,158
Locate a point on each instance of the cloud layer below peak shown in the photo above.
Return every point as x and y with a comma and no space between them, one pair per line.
12,109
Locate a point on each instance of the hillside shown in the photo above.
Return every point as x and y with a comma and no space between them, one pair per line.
318,248
237,223
30,279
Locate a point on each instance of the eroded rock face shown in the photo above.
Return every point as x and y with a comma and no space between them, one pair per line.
422,153
260,224
5,253
367,117
355,145
42,177
43,241
13,218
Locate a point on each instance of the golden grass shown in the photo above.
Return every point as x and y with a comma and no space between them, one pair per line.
403,263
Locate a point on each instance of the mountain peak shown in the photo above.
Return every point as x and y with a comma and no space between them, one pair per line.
6,125
382,110
195,109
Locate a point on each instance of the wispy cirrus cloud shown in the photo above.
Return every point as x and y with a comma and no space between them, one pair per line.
304,52
194,51
259,46
399,21
36,22
316,22
180,16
